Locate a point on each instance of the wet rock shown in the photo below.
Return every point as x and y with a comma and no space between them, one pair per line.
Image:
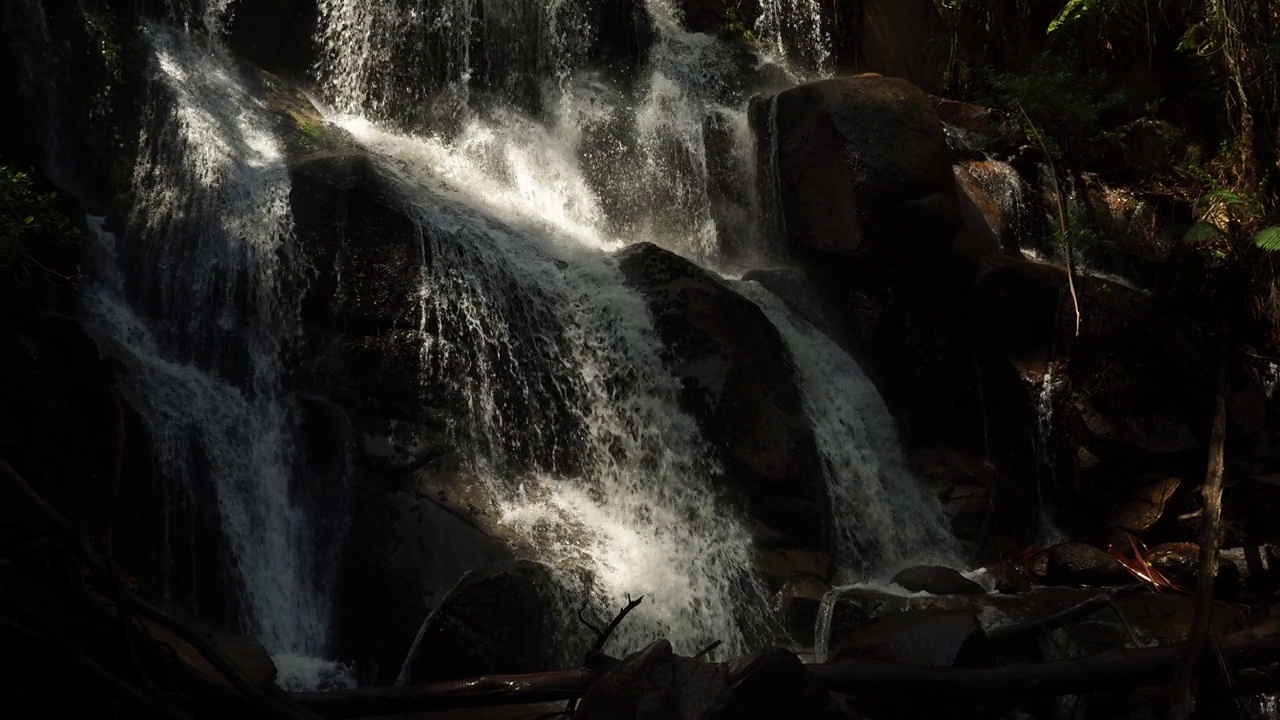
1147,506
967,116
777,567
405,553
738,382
858,172
799,603
502,620
862,161
654,684
1179,562
924,638
772,683
276,35
793,289
962,484
1080,564
936,580
996,206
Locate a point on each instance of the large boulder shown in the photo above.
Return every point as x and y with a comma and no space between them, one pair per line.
859,184
861,162
936,580
739,384
503,620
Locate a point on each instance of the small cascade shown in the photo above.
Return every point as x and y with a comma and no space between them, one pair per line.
822,626
1046,468
198,296
793,32
881,516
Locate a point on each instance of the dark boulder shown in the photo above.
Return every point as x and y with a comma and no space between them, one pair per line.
862,165
503,620
930,637
936,580
1080,564
276,35
656,684
860,186
738,382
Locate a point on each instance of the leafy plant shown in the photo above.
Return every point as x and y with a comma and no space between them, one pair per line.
27,215
1055,97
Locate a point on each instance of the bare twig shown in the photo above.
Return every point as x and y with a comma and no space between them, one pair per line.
707,650
1062,214
603,637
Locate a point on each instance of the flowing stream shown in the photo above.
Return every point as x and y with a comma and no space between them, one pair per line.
524,166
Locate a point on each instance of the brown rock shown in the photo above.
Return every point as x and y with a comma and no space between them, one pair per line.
1081,564
860,160
738,383
924,638
800,602
937,580
1147,506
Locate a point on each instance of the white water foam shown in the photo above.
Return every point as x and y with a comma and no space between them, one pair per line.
210,222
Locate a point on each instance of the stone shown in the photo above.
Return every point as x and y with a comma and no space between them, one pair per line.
858,176
791,287
498,621
778,566
654,684
1179,562
923,638
739,384
1147,506
1081,564
862,161
799,603
996,207
936,580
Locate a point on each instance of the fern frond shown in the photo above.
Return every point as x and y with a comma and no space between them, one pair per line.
1202,233
1268,238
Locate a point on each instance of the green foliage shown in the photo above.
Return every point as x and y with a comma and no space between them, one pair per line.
1118,18
27,215
1268,238
733,26
1056,97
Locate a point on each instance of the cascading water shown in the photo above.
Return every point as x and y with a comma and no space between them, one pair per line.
569,416
204,260
881,515
793,32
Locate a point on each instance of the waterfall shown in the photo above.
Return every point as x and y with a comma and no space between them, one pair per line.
524,168
565,410
793,32
880,514
822,626
569,415
199,297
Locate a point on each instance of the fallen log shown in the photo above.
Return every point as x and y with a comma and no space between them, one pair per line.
1254,647
492,690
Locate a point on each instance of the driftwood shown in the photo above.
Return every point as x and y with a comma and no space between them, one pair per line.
487,691
1254,647
1058,619
1120,669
